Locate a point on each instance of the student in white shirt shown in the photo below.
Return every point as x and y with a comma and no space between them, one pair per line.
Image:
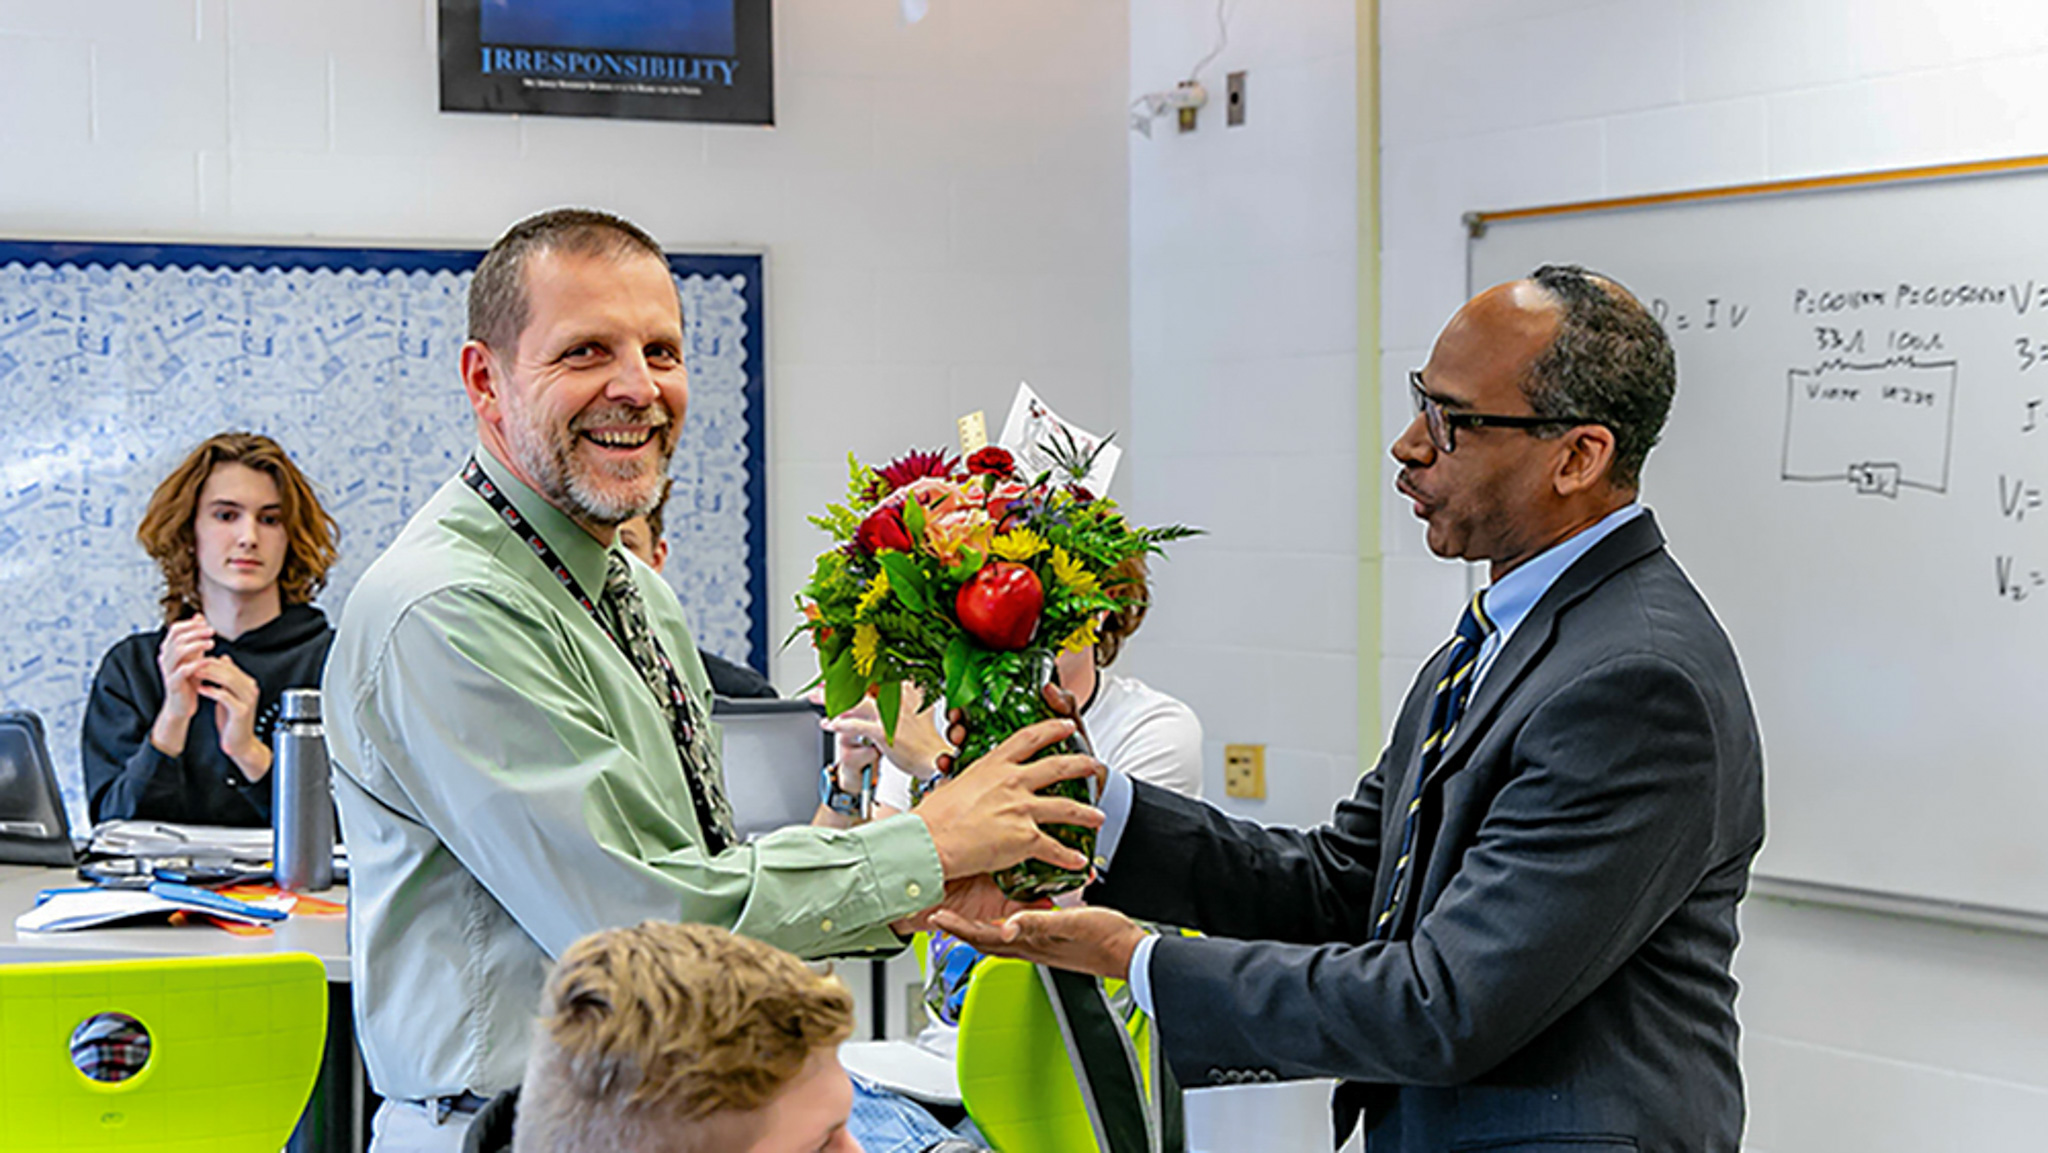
1134,729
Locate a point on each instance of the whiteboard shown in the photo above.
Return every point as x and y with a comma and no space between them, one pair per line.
1854,475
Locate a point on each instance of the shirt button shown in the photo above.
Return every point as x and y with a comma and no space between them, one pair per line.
825,926
913,889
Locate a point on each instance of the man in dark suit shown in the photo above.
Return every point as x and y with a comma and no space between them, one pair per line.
1516,933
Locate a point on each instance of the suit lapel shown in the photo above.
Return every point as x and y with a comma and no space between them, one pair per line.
1622,547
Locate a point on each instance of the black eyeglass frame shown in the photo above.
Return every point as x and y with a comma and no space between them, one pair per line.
1443,423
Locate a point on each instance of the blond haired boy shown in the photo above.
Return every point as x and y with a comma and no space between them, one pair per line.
683,1038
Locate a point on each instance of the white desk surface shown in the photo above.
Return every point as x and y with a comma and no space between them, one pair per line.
325,937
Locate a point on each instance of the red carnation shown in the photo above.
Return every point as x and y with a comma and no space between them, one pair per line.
914,465
883,530
992,460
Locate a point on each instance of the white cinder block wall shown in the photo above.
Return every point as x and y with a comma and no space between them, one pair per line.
1244,387
1870,1033
1244,361
942,204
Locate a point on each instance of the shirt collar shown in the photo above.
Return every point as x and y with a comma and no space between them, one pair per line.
1511,597
585,558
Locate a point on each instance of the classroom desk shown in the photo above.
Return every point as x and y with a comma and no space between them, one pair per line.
334,1117
341,1100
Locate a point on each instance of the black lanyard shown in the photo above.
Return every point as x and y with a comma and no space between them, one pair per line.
684,706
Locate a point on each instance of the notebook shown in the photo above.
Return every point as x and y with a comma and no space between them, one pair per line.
33,828
773,751
57,910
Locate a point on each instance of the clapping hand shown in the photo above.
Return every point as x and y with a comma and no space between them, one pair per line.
917,747
236,698
178,660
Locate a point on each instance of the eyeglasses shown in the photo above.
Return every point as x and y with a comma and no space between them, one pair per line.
1443,424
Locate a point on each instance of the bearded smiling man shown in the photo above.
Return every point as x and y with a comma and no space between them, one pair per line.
518,718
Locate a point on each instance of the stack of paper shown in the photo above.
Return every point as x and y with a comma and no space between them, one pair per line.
60,909
163,839
157,839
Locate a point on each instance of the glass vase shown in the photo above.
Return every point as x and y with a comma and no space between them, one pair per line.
1002,707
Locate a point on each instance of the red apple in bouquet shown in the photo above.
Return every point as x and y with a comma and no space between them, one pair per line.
999,605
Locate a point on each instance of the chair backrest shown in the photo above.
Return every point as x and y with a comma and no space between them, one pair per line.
33,826
1018,1074
234,1048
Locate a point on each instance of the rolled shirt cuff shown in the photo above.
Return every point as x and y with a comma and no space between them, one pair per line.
1115,804
1141,974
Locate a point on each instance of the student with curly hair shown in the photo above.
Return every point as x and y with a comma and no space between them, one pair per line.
178,726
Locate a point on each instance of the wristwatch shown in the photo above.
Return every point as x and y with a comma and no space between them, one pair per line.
856,805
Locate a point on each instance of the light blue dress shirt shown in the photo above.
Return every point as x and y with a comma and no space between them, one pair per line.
1507,604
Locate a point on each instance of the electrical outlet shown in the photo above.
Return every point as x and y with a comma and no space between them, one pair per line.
1244,771
1233,104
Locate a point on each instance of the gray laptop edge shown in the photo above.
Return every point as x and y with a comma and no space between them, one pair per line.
33,828
773,751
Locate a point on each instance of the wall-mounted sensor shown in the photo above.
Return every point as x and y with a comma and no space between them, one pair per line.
1183,99
1190,97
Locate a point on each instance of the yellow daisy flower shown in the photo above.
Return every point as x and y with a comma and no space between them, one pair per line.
1069,572
875,594
1018,544
1077,640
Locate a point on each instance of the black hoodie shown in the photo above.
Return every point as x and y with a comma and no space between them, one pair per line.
125,775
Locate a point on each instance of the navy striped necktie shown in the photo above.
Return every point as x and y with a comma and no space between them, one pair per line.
1448,705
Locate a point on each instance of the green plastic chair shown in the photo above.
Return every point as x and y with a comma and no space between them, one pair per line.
235,1046
1018,1081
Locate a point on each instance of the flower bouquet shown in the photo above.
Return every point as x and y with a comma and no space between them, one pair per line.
967,580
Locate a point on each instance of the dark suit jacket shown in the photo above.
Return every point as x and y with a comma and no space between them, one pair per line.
1561,978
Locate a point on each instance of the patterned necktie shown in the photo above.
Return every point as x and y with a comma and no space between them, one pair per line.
1448,705
622,601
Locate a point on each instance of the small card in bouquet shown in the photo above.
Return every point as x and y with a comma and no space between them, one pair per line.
1038,437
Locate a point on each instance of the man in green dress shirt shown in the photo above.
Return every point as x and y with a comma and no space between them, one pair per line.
509,779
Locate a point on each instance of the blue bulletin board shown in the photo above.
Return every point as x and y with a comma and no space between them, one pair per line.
115,359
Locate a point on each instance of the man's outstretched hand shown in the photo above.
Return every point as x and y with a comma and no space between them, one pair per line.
977,899
1087,940
989,816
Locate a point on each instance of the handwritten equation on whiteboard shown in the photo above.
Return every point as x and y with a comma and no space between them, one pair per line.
1877,401
111,372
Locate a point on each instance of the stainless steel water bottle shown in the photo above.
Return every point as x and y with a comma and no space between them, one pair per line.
302,807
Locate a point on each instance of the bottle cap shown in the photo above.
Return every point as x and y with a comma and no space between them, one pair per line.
301,705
